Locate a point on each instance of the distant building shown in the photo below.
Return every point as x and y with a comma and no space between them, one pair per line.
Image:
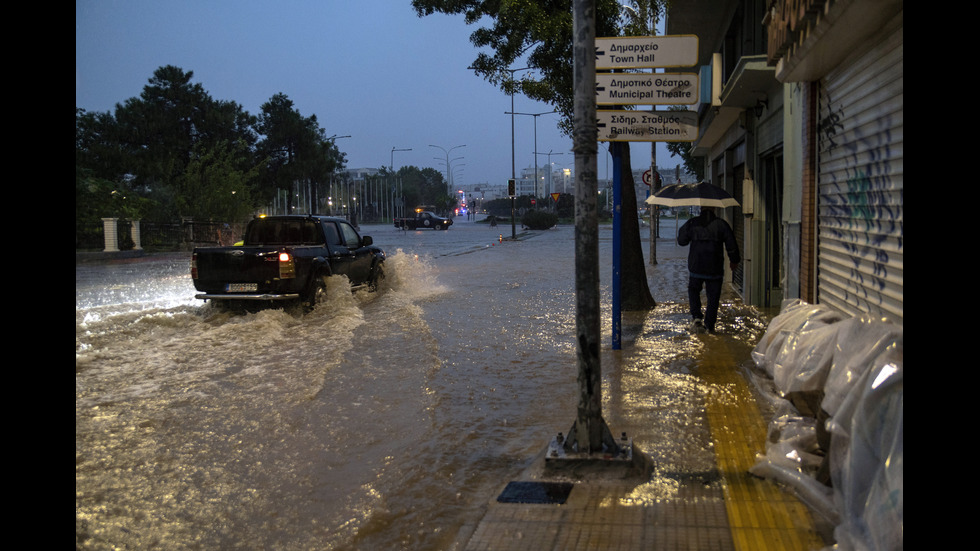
361,173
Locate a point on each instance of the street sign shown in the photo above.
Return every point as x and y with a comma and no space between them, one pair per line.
646,52
646,88
646,126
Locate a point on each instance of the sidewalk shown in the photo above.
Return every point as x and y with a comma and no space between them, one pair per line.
699,441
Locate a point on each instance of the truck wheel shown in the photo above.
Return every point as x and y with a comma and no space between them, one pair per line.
377,277
317,294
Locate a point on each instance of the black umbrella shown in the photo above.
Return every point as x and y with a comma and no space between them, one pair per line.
701,194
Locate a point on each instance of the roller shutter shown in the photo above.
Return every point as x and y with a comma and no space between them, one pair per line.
860,253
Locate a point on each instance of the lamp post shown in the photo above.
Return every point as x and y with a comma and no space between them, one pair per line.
547,191
513,166
449,177
535,115
391,165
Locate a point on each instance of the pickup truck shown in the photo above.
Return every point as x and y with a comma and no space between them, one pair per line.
287,258
424,219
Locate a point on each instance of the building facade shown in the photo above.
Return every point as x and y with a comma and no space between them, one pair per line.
802,120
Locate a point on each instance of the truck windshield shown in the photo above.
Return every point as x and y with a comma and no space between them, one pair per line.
268,231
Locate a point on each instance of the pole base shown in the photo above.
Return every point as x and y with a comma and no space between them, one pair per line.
617,458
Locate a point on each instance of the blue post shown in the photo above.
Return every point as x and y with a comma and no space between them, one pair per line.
617,245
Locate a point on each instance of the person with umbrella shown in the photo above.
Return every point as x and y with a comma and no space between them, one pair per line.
709,237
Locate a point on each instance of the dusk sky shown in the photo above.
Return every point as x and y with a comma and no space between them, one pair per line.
371,70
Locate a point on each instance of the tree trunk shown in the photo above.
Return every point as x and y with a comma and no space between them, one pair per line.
634,289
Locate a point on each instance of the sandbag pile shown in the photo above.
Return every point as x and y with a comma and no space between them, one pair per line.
837,436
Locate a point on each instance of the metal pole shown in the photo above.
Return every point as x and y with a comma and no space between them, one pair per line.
535,115
513,166
449,184
654,211
617,313
589,431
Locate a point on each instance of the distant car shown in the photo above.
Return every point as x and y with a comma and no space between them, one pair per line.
424,220
287,258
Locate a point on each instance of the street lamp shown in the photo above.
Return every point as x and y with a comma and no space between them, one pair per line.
449,177
535,115
391,165
550,168
513,166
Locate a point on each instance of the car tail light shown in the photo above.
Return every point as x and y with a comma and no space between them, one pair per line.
194,266
287,266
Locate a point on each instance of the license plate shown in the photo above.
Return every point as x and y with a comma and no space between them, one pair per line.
242,287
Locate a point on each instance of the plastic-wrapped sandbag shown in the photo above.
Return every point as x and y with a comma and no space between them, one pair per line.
804,360
856,365
859,342
791,459
795,316
867,428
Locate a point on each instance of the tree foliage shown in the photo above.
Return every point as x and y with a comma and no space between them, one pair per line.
174,151
295,147
424,186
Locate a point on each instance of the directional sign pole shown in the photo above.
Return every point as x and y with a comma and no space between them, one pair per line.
617,302
589,435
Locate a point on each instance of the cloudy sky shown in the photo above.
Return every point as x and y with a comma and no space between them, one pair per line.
368,69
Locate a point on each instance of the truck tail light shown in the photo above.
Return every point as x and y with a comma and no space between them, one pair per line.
194,266
287,266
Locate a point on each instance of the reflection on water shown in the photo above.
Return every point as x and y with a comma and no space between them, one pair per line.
381,421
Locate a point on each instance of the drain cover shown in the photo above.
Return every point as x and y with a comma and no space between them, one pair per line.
536,492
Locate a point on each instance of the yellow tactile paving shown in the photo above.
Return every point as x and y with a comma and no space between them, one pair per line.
761,515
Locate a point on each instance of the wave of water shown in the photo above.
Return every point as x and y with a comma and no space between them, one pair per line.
200,424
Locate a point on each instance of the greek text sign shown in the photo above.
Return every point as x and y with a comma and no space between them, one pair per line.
646,52
646,88
646,126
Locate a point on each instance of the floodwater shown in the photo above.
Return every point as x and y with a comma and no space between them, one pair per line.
381,421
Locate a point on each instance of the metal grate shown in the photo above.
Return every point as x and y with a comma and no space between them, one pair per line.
536,492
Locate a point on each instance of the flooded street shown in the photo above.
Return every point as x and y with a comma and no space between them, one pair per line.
381,421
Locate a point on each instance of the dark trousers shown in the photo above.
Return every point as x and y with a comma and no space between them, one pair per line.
712,288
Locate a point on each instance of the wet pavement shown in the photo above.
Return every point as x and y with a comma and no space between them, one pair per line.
721,508
685,499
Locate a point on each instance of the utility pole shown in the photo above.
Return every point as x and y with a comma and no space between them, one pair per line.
589,435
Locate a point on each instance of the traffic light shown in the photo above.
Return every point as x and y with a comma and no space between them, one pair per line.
511,187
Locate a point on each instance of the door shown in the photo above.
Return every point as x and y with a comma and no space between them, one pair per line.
772,173
359,256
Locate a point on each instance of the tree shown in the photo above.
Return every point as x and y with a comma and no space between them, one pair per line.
422,186
157,131
539,33
150,140
97,148
295,149
215,184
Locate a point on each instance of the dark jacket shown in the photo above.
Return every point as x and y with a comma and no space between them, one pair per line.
708,236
